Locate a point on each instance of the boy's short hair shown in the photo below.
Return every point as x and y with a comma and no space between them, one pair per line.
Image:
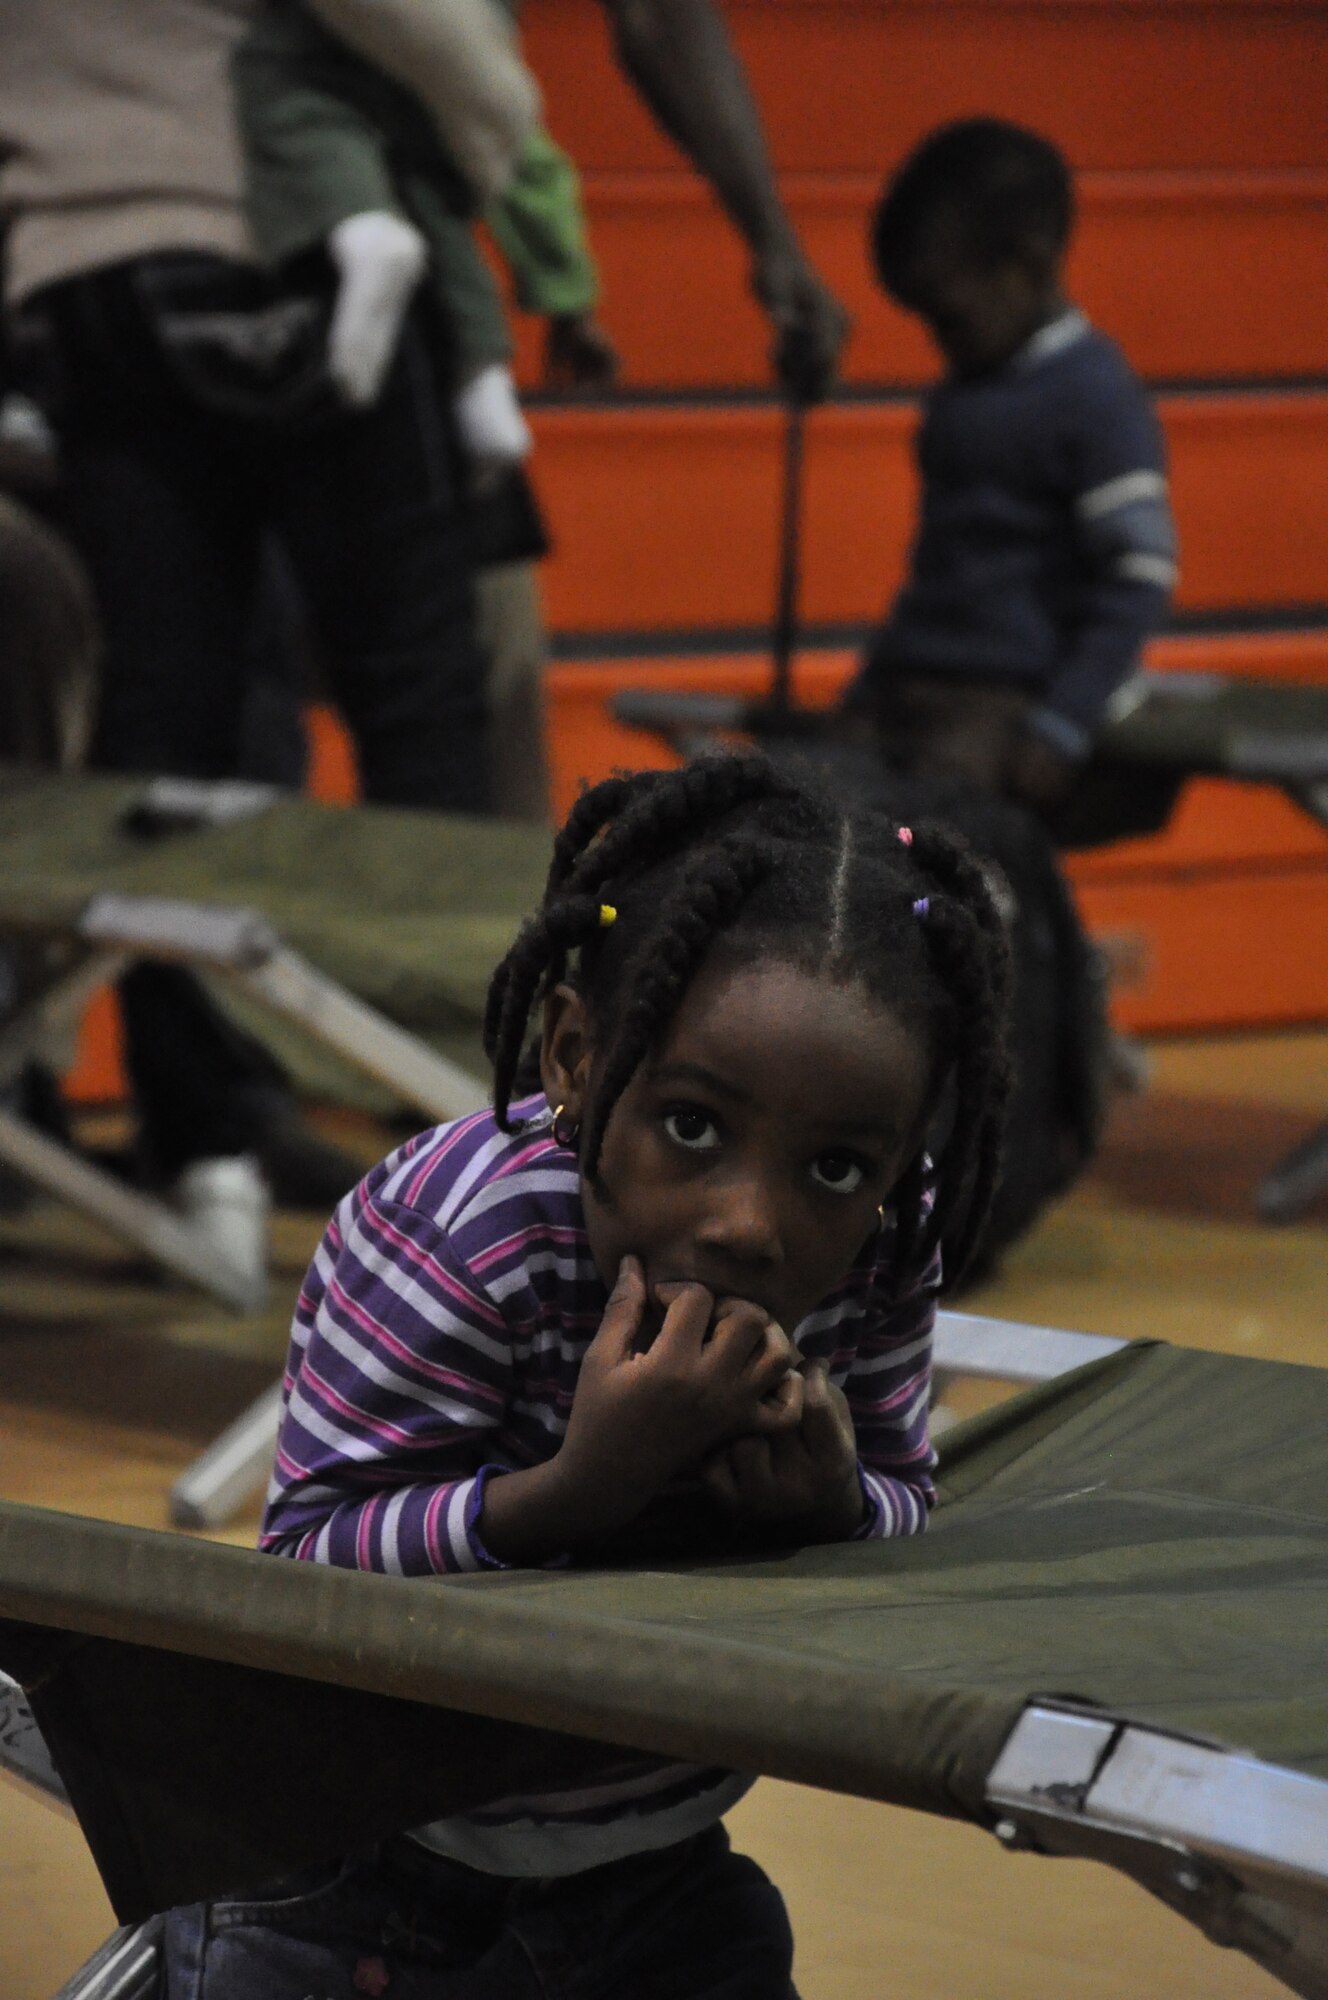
1009,191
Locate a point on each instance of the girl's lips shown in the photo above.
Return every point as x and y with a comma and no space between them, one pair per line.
657,1306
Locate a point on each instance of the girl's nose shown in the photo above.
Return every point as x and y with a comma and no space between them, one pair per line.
742,1223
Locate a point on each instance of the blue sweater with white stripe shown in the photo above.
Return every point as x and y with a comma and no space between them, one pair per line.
1045,554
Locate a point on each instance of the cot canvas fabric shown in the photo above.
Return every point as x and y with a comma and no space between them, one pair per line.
437,1344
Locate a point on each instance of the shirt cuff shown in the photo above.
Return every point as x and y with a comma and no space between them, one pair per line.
472,1506
1070,738
873,1523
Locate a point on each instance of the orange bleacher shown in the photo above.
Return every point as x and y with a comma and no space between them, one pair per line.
666,518
1196,132
1169,259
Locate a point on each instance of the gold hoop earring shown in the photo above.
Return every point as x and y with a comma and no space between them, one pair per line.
566,1131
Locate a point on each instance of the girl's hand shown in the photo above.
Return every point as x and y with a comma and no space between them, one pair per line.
640,1416
807,1474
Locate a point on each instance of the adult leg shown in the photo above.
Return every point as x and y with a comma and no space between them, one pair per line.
367,506
512,633
274,745
156,506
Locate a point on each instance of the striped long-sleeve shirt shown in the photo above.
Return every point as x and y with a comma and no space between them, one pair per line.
437,1344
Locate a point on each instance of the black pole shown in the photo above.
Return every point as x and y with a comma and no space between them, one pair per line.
784,637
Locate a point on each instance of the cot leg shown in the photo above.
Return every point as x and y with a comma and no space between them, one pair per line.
127,1967
148,1225
1296,1181
25,1760
232,1469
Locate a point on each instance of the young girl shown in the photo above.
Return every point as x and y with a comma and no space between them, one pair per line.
692,1279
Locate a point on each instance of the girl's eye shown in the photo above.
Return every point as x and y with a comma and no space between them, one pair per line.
838,1172
691,1128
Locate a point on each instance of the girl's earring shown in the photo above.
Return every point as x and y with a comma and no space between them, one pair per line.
880,1216
566,1131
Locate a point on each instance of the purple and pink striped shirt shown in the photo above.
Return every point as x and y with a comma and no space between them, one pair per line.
437,1343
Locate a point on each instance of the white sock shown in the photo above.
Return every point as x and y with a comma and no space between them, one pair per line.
381,260
489,418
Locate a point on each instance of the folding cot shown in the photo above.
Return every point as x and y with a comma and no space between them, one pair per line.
1109,1644
359,944
1162,729
371,934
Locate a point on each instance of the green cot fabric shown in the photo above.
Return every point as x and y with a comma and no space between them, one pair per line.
1147,1536
1196,723
410,910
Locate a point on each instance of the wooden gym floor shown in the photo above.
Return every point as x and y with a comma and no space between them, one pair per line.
110,1383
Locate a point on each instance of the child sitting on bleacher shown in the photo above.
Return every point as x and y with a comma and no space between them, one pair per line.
1045,554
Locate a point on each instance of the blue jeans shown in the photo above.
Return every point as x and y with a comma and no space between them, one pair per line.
691,1922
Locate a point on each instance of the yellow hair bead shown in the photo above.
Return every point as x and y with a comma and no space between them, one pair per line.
607,915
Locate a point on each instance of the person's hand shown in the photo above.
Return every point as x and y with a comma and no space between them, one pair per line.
578,353
807,1474
1037,774
810,324
641,1414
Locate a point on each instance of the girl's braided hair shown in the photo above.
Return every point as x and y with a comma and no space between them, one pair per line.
728,848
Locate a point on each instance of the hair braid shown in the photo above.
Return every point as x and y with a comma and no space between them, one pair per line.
592,812
706,900
970,1166
910,1197
671,812
957,871
537,958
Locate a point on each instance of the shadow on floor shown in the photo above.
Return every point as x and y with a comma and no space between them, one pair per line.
135,1380
1195,1157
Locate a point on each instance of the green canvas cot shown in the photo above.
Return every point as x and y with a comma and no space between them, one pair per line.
357,944
1110,1641
409,910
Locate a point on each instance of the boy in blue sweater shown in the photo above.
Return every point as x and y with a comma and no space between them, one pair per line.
1045,554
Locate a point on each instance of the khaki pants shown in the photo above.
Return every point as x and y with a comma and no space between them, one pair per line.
511,631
